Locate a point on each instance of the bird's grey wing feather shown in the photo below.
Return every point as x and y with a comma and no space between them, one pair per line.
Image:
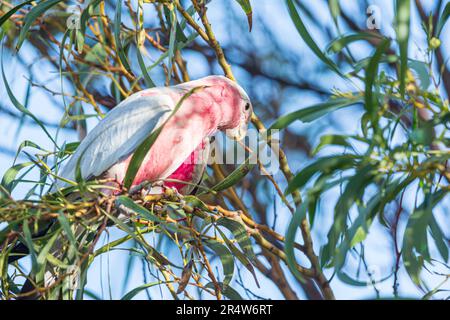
118,135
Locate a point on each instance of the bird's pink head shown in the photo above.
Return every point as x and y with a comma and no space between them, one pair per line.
228,100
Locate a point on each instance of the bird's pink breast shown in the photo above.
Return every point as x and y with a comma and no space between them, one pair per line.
200,116
185,172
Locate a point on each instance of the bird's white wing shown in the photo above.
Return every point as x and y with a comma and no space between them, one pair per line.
117,135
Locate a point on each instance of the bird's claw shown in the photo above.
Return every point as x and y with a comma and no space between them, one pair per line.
172,191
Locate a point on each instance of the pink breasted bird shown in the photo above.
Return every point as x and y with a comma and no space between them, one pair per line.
106,151
178,152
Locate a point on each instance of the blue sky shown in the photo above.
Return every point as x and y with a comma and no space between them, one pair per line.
110,268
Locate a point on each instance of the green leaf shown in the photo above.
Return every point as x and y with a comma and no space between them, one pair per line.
151,251
314,193
415,241
131,294
345,278
172,37
354,235
7,15
247,7
11,173
20,107
234,177
387,193
403,16
424,134
303,31
144,147
331,139
24,144
371,74
4,255
28,241
129,266
120,51
31,16
360,228
364,63
341,42
42,257
138,209
92,295
79,175
297,218
191,11
325,165
64,222
353,282
431,293
421,70
179,34
179,46
85,15
240,234
314,112
227,291
442,20
335,9
439,238
239,255
4,193
354,190
225,257
148,81
96,54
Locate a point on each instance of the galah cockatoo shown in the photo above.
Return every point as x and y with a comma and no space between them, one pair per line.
178,153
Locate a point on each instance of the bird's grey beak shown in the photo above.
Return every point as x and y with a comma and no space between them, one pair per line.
237,133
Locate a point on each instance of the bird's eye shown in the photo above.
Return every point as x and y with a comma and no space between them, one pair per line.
247,106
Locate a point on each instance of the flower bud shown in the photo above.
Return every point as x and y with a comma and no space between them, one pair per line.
435,43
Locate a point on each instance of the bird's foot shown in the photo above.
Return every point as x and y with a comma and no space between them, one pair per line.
172,192
144,188
155,188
